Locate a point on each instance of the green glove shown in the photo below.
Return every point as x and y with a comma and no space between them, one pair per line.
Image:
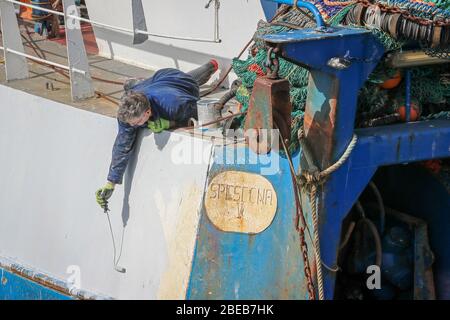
103,194
159,125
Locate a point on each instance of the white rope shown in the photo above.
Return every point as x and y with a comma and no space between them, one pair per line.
313,181
343,158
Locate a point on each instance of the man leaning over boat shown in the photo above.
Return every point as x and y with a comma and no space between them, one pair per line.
166,100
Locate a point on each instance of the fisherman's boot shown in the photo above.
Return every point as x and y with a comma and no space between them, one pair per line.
204,72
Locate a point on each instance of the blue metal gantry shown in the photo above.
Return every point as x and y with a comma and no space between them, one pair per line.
268,265
329,125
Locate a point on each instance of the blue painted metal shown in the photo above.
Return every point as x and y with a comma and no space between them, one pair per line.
329,119
329,125
269,7
408,95
267,265
19,281
307,5
14,287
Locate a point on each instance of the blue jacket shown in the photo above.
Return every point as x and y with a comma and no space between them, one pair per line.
172,95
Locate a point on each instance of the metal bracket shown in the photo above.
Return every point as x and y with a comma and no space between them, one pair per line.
16,66
80,78
139,22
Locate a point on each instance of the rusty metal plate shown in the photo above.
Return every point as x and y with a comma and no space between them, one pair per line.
269,108
240,202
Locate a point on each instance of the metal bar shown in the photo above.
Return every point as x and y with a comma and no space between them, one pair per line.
408,96
177,38
107,26
99,24
45,61
413,59
137,31
81,83
139,21
216,21
401,143
16,66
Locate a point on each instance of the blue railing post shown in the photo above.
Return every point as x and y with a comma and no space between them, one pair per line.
408,95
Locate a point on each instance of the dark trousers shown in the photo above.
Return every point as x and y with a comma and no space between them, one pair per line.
202,73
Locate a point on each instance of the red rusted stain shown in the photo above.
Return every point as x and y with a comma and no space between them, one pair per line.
320,126
269,108
43,282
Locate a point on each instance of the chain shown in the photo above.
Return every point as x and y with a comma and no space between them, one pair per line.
300,225
272,64
406,14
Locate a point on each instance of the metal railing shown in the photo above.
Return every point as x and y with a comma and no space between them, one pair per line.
131,31
78,65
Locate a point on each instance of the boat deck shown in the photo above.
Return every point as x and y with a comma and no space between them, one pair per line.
52,84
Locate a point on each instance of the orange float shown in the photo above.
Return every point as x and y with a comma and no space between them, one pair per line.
392,82
414,111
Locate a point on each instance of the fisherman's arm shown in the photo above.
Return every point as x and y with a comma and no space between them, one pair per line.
122,150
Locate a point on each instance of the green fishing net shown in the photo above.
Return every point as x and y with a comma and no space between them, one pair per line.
429,85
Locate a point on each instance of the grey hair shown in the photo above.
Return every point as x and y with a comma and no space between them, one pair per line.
132,105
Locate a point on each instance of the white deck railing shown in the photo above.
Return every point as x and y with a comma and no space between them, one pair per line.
81,82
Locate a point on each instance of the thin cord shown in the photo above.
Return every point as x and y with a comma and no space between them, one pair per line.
112,237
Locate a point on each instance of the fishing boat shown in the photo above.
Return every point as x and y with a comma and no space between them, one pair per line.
325,175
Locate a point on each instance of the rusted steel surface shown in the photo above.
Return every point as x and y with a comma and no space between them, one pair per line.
269,108
320,117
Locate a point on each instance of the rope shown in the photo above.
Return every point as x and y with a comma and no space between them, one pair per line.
316,246
338,3
343,158
311,181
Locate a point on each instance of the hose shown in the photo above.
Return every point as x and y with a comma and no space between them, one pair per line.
380,202
377,240
374,231
219,105
348,234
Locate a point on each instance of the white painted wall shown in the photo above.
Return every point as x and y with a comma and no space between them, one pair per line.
52,159
237,20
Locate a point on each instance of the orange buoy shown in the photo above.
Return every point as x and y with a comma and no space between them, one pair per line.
392,82
414,113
